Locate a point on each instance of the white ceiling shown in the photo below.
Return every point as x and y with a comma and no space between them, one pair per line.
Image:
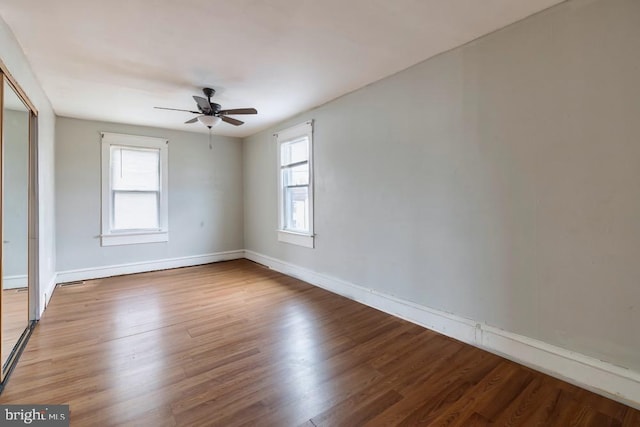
115,60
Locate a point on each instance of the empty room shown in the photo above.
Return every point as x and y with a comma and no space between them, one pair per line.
298,213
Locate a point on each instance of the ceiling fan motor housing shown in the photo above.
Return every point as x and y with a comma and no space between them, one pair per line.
215,108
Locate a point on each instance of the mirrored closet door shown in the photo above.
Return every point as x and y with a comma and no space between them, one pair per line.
17,218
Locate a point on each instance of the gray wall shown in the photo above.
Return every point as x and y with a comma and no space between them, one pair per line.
15,222
15,60
205,196
499,181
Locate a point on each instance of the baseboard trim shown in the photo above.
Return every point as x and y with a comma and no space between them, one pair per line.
47,294
145,266
14,282
617,383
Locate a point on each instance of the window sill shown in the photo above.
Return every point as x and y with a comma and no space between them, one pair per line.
306,240
117,239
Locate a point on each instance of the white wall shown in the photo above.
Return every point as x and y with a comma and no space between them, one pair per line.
15,60
499,181
205,198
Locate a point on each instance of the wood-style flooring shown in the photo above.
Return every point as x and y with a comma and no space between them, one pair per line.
15,318
234,343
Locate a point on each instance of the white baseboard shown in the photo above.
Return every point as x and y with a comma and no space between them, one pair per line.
14,282
141,267
592,374
45,295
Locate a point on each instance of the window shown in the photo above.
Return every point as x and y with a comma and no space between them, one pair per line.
295,196
134,189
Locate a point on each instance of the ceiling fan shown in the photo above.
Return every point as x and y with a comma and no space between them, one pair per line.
210,113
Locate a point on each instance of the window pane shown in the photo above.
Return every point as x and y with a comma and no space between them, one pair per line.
137,211
297,209
135,169
294,151
297,175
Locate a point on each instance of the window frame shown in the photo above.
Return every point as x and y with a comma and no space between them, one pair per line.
305,239
111,237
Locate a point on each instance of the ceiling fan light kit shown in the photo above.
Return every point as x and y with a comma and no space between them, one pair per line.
210,113
209,121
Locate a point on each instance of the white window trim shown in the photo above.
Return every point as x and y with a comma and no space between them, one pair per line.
285,135
110,238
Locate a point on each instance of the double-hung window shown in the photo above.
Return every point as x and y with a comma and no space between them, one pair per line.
134,189
295,178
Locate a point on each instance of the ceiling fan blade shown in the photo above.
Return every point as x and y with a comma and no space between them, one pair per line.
203,104
195,119
231,120
177,109
239,111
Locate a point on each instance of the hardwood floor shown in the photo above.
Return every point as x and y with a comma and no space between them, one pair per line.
15,318
234,343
